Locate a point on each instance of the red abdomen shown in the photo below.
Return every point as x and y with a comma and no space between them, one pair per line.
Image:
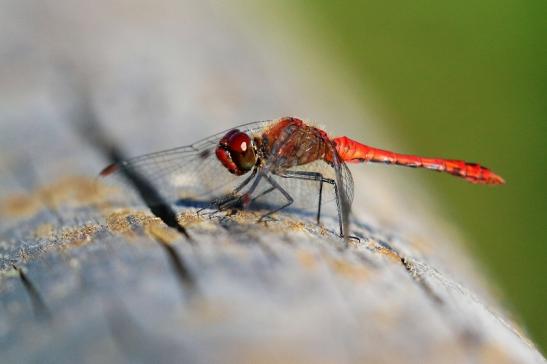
354,152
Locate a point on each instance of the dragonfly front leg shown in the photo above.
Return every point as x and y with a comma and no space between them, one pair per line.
240,201
232,198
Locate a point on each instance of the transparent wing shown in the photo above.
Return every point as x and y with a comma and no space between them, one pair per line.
344,192
347,185
190,172
307,191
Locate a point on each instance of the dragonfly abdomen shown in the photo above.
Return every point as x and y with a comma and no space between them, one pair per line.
354,152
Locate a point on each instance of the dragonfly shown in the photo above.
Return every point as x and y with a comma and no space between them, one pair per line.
288,158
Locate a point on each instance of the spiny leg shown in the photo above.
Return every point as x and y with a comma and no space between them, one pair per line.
246,181
276,186
234,199
311,176
232,195
263,193
269,190
316,176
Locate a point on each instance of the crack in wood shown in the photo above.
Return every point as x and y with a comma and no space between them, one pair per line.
41,310
185,277
386,248
90,130
411,269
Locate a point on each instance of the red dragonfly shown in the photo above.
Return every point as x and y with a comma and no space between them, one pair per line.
281,156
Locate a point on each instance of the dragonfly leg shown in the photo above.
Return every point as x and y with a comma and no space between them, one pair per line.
311,176
246,181
269,190
233,199
228,201
276,186
316,176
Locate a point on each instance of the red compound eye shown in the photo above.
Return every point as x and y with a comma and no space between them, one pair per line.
239,143
236,152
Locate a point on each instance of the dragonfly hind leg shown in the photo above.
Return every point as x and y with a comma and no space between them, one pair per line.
275,186
316,176
311,176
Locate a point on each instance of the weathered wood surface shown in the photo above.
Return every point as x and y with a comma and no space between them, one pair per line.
89,276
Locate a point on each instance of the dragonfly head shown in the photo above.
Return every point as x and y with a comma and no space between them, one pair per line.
236,152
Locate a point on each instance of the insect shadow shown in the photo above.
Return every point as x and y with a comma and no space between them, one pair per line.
255,206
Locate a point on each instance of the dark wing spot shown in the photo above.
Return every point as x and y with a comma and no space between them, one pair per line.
205,153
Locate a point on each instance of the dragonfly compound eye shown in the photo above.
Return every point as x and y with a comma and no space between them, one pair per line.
236,152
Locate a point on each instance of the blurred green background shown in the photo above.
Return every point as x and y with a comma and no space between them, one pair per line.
467,80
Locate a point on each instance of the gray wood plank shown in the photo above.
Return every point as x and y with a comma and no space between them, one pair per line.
90,275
